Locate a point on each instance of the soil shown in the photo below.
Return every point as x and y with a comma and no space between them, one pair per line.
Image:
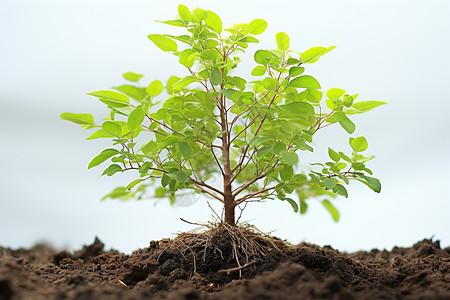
218,267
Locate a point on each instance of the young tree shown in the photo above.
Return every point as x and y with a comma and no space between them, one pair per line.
248,133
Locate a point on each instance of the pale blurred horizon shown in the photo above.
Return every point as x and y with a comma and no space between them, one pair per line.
56,51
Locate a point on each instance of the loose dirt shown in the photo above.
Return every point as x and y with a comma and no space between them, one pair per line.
217,267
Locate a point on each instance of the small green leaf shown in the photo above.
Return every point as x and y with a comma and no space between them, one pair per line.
112,128
216,76
345,122
132,76
373,183
112,169
331,209
333,155
292,203
149,147
295,71
104,155
185,149
303,206
286,173
101,133
313,54
184,82
164,43
278,147
135,119
111,98
214,22
364,106
170,82
329,183
160,192
259,71
82,119
291,158
342,190
132,184
180,176
270,84
155,88
282,41
345,157
359,144
257,26
335,93
305,81
184,12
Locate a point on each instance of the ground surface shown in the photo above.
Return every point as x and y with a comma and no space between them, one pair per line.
168,270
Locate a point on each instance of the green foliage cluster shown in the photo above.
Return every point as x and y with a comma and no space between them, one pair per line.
214,124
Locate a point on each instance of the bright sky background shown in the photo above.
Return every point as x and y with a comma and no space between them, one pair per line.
53,52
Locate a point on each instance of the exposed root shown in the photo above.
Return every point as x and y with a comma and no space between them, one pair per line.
243,244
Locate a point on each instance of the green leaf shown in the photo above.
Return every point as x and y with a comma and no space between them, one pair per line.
216,76
82,119
132,76
214,22
291,158
364,106
185,149
259,71
342,190
177,23
149,147
112,128
101,133
112,169
184,82
132,91
264,57
270,84
295,71
331,209
257,26
286,173
199,15
164,43
359,144
111,98
132,184
298,108
293,204
282,41
180,176
372,182
104,155
329,183
345,157
305,81
160,192
344,121
303,206
170,82
186,58
155,88
135,119
313,54
184,12
278,147
333,155
335,93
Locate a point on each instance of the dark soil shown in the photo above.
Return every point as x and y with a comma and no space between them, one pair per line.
168,270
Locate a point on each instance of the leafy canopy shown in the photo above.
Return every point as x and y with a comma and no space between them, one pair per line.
245,133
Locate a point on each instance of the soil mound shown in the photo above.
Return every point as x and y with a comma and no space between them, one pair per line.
225,264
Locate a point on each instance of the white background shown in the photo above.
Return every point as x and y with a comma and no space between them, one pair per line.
53,52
